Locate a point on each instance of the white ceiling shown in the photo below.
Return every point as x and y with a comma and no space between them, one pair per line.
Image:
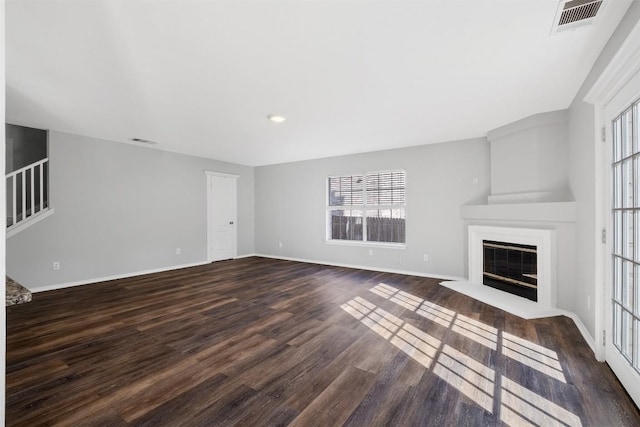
200,77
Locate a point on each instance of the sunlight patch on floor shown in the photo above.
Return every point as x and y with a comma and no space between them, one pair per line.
415,343
475,380
424,308
436,313
537,357
469,377
476,331
520,406
381,321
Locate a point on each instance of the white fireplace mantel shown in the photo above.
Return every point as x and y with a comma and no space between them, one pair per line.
543,239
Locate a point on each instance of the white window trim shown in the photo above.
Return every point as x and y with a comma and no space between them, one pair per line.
363,208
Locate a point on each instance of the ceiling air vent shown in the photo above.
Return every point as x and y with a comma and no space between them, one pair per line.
574,13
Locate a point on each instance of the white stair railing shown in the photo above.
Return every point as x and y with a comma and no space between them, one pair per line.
26,189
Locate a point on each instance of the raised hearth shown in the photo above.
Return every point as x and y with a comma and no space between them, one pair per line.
544,242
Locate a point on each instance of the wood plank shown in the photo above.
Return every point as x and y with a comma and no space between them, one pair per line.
334,405
260,341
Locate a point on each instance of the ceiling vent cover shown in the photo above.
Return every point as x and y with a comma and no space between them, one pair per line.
574,13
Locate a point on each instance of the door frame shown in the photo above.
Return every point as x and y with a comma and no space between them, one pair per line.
209,182
614,108
610,94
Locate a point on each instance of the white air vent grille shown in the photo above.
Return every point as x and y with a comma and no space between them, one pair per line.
578,10
573,13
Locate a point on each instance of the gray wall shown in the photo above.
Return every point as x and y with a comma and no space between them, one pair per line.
531,155
583,176
291,205
120,209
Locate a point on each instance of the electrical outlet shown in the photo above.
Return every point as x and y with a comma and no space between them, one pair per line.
370,251
476,181
279,244
178,251
426,257
56,265
588,302
399,259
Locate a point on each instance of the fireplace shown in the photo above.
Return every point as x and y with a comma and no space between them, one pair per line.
511,267
518,261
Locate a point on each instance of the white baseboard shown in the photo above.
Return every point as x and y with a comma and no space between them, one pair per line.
363,267
124,276
114,277
176,267
245,256
583,329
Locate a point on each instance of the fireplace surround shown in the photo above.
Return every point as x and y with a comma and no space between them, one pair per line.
543,281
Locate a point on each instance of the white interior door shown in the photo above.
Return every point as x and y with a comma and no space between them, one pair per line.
622,304
221,216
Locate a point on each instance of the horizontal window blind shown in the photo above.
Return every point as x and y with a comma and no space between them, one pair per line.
386,188
346,190
367,207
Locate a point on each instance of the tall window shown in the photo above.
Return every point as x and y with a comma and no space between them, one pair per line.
367,207
626,236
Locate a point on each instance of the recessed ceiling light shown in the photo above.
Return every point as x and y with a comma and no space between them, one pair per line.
276,118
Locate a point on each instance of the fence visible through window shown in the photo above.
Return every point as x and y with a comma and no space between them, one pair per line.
368,207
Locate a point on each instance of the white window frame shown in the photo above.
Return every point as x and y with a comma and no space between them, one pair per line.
363,208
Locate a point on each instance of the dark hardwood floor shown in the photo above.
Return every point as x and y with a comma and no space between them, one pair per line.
256,342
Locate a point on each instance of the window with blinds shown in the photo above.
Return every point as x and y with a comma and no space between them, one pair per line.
367,207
